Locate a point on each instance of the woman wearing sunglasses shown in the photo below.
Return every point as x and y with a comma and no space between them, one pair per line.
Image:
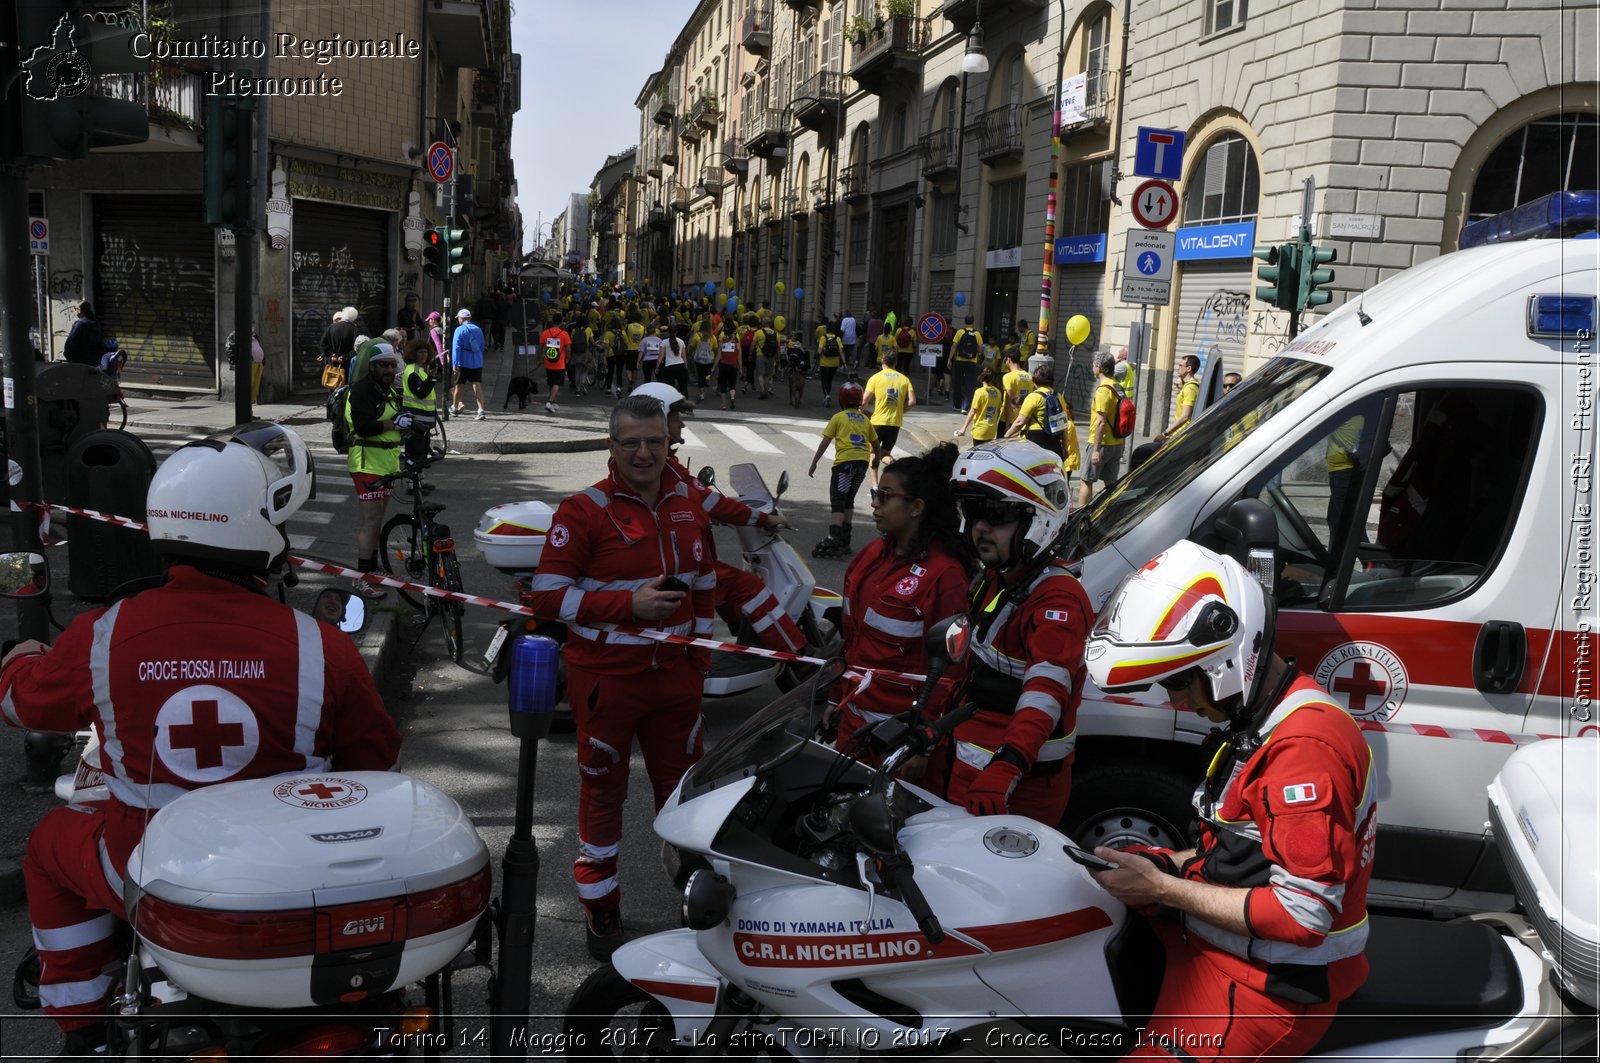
900,585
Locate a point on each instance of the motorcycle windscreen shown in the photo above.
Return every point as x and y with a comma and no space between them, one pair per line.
765,740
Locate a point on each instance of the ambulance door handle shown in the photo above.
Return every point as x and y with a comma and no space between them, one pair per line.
1498,659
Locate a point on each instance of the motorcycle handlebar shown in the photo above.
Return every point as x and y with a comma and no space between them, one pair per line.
898,874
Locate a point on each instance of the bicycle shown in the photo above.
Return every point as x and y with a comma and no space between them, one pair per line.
415,546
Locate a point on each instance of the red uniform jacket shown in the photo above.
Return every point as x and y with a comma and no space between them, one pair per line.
196,682
1026,671
604,544
1295,824
890,604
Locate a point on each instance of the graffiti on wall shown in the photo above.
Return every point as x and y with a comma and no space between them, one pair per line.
1222,319
66,284
323,282
159,306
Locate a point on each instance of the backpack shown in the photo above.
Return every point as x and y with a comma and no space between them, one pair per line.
831,347
904,339
967,346
747,342
1122,425
580,340
769,343
333,410
552,350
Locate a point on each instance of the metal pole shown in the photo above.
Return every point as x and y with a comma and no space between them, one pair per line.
1047,273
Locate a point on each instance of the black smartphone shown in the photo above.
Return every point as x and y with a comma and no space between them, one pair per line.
673,583
1087,859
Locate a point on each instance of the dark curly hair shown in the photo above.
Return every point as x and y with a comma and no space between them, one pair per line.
927,477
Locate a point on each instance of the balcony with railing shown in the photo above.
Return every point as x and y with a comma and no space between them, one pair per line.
941,150
658,219
802,6
766,132
821,195
764,212
664,106
757,38
795,204
1000,133
893,48
748,215
853,183
1096,110
669,147
734,157
652,161
704,113
963,13
817,100
678,198
711,178
174,98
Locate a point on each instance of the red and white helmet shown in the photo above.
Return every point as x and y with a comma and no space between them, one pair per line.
1017,472
1187,608
850,395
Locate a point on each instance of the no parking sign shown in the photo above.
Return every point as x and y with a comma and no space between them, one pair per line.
39,236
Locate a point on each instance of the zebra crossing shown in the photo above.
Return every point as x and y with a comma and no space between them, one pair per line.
778,436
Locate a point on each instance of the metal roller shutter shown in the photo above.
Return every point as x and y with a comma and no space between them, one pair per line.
1079,290
155,288
1213,312
341,258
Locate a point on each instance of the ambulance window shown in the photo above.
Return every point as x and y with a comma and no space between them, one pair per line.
1449,483
1314,492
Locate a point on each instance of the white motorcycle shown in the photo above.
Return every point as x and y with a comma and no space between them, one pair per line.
511,537
846,913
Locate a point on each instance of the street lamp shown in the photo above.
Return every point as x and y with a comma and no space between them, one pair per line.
975,61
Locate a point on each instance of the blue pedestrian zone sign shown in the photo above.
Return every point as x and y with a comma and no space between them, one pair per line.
1158,153
1149,263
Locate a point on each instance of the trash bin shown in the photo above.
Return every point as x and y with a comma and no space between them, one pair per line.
108,471
74,400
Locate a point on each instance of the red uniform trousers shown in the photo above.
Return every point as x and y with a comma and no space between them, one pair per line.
744,595
661,708
1197,1016
74,911
1039,797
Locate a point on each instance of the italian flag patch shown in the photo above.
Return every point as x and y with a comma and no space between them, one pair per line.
1300,794
1055,614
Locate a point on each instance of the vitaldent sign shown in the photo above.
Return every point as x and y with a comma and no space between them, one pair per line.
1200,242
1077,250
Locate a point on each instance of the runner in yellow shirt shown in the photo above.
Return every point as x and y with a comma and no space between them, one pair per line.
1105,448
1046,419
1016,383
853,438
889,395
983,413
1188,396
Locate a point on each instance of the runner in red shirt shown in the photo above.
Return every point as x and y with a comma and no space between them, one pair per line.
556,344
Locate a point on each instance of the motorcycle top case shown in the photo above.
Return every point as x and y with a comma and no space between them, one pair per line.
307,889
511,537
1542,807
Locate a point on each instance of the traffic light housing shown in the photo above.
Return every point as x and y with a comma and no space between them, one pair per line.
1280,275
62,57
455,250
433,253
1314,277
229,152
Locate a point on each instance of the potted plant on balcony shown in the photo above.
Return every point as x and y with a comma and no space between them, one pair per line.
901,8
857,29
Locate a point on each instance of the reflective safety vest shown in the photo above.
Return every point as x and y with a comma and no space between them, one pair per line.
416,377
377,455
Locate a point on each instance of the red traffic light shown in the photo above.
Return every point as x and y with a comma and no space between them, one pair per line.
433,238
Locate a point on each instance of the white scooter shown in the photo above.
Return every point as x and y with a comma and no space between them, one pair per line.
845,912
511,537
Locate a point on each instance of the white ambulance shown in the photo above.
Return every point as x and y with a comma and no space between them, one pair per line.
1428,450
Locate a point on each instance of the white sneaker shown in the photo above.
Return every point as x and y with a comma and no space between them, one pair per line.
481,415
549,407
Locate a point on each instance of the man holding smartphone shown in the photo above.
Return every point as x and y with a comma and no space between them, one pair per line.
1270,920
629,551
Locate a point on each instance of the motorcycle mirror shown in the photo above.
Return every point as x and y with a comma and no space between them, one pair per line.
342,609
872,823
948,639
783,483
23,575
707,475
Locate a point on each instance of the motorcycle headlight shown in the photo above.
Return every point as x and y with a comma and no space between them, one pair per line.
706,900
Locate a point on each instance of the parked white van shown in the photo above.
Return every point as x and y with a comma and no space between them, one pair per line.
1428,450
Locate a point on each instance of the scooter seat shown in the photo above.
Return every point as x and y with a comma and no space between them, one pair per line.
726,665
1427,977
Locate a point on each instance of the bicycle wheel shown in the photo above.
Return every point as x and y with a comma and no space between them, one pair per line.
440,444
123,406
404,554
447,576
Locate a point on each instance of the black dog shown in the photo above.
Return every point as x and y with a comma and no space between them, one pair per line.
520,388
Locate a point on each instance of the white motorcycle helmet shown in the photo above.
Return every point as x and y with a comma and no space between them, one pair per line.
1018,473
225,499
1187,608
672,400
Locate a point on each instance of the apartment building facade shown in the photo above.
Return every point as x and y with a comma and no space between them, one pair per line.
867,165
346,196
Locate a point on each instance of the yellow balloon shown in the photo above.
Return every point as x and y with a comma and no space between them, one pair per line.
778,322
1078,329
722,300
778,287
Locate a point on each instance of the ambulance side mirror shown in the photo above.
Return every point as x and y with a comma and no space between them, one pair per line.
342,609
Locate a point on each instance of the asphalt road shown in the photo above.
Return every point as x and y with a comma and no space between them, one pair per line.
454,718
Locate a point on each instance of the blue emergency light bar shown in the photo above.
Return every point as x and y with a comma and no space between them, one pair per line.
1561,316
1560,214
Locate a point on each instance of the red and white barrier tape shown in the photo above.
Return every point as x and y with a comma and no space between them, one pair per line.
383,580
1473,734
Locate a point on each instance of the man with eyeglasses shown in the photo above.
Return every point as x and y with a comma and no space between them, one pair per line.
632,550
1030,618
1264,921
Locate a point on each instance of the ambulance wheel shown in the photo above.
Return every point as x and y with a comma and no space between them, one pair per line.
1121,802
609,1017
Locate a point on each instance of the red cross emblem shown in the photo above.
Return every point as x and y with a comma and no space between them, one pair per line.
206,734
1369,679
320,792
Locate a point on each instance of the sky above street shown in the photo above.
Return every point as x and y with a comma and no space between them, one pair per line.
583,64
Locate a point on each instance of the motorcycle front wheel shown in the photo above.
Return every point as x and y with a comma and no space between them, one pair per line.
610,1017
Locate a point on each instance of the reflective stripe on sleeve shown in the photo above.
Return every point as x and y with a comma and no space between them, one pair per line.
548,581
311,693
571,601
100,683
1039,701
1046,670
902,629
1057,748
1338,945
